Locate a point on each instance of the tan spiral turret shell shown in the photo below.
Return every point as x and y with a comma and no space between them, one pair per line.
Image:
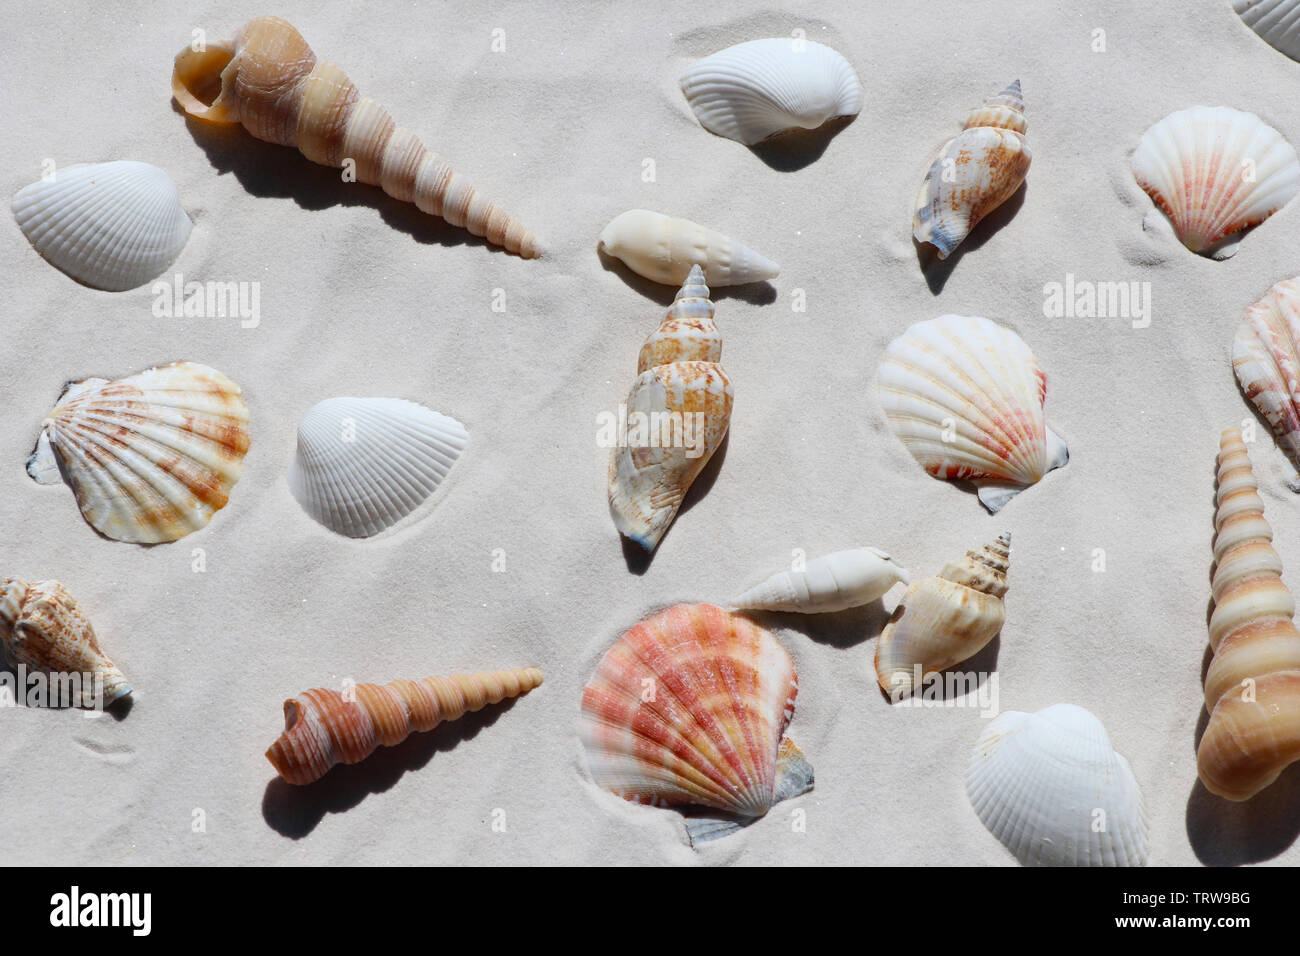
1252,687
325,727
268,79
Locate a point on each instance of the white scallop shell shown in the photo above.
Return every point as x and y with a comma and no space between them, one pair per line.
1276,21
965,395
1266,359
112,226
663,249
833,582
1216,172
753,91
1051,788
363,464
150,457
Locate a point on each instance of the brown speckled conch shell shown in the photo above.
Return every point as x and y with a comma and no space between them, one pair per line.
268,79
44,628
324,727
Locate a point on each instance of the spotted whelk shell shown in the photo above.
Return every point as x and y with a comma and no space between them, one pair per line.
43,628
759,89
1216,172
150,457
112,226
690,707
965,396
975,172
363,464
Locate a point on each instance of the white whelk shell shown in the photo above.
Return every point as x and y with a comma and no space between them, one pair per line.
1053,790
833,582
755,90
965,396
363,464
663,249
1216,172
1276,21
112,226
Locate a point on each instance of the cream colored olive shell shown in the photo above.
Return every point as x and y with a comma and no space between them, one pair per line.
663,249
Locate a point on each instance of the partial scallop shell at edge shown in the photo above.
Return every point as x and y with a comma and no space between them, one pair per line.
112,226
690,707
1053,790
150,457
756,90
1276,21
1266,360
965,396
1216,172
363,464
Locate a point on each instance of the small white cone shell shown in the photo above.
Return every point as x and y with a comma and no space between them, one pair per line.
113,226
663,249
758,89
1276,21
833,582
1051,788
363,464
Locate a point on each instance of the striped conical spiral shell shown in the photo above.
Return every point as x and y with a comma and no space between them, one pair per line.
944,620
268,79
325,727
43,628
677,413
1252,687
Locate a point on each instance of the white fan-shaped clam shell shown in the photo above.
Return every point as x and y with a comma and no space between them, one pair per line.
150,457
363,464
1276,21
112,226
755,90
1266,359
833,582
1051,788
663,249
965,395
1215,172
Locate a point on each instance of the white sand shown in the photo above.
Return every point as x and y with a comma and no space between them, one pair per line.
363,296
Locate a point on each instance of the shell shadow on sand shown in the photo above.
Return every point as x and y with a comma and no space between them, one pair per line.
266,170
795,149
294,811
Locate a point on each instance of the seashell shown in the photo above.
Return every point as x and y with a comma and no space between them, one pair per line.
43,628
756,90
944,620
1054,792
663,249
678,412
965,395
975,172
690,707
1215,172
268,79
1252,686
112,226
1266,358
325,727
833,582
1276,21
363,464
150,457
